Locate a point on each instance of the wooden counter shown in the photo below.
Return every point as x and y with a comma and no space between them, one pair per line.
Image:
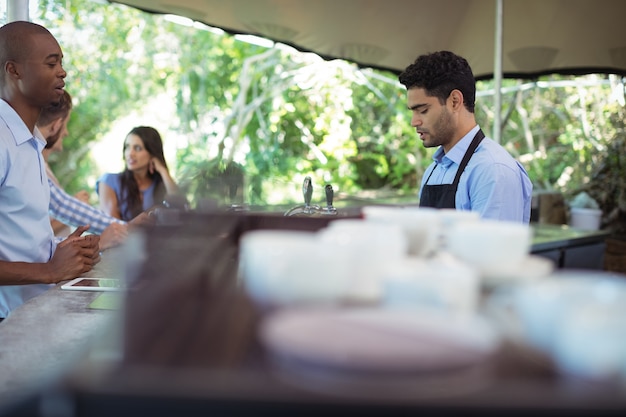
186,344
191,348
48,335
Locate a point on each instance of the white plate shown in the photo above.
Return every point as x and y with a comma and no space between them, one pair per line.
379,340
531,268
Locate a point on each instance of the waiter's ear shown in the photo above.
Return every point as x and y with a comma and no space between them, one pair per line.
456,99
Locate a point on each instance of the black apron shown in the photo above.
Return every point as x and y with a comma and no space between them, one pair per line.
444,195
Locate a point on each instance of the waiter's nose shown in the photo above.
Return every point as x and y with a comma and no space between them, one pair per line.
416,120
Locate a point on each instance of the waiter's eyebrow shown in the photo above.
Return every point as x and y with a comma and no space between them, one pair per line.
418,106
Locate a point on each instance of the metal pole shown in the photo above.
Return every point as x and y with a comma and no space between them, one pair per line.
497,75
17,10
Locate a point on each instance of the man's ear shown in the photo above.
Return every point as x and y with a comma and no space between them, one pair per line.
55,126
10,67
456,98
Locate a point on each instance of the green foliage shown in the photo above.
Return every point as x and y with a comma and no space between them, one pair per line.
256,121
388,148
108,56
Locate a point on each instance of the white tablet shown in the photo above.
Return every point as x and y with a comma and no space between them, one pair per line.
94,284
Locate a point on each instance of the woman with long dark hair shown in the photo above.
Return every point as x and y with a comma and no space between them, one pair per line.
145,181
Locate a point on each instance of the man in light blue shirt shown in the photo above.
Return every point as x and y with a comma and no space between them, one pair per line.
469,171
22,225
32,77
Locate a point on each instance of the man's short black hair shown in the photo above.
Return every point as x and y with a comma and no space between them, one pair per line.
439,73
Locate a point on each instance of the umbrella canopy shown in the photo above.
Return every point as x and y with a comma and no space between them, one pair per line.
538,37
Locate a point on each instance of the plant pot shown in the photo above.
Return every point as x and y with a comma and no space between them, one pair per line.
585,218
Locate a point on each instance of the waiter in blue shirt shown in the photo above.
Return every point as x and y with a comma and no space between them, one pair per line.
469,171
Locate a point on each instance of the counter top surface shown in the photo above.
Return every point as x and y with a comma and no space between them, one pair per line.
552,236
208,351
47,335
205,348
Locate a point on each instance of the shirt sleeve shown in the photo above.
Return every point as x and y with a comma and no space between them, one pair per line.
498,191
114,180
70,210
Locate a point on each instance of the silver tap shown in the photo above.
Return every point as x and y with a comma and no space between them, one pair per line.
329,210
307,208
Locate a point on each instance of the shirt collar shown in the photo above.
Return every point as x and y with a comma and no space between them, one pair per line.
455,155
17,126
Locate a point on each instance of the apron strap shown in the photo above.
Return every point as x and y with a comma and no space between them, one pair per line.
468,154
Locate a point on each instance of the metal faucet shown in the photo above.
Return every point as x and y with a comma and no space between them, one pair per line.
307,208
329,209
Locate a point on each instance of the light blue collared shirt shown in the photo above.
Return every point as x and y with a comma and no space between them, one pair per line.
494,184
25,231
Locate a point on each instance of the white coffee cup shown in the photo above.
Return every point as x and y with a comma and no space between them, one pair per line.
451,217
577,318
420,224
442,283
280,267
490,245
365,250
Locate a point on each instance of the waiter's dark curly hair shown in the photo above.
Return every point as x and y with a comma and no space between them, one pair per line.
439,73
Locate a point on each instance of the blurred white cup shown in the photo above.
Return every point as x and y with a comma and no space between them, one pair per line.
280,267
490,245
591,342
442,282
365,249
421,225
451,217
576,317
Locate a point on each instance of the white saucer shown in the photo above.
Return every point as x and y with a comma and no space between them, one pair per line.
530,268
379,340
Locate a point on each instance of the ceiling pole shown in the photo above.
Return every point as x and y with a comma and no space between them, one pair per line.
497,75
17,10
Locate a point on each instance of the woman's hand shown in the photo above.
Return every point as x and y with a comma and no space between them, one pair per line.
170,185
158,166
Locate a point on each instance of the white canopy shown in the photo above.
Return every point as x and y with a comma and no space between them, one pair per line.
538,37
